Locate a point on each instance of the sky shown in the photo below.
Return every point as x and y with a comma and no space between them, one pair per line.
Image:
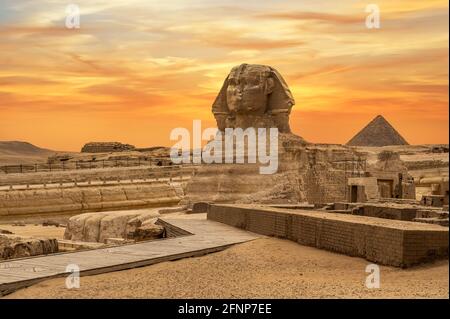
137,69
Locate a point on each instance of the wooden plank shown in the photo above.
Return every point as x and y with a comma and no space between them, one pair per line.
207,236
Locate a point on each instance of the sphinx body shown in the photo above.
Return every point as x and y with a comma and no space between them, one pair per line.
256,96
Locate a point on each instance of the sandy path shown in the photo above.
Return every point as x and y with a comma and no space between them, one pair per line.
264,268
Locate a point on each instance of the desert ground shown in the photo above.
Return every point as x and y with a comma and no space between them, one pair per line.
31,230
14,152
263,268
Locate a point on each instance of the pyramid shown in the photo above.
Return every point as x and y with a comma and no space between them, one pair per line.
377,133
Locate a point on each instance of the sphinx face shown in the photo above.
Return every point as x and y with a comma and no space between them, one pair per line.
248,91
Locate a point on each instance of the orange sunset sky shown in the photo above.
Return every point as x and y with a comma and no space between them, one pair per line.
137,69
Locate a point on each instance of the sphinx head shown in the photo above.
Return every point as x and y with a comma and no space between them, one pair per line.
253,91
248,89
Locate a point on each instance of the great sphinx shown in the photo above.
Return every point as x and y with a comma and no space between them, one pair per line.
253,95
257,96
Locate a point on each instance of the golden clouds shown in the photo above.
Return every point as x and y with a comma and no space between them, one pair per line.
134,71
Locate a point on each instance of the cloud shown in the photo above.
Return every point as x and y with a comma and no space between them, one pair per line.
242,43
163,64
24,80
315,16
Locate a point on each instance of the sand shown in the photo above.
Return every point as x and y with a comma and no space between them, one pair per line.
263,268
37,231
17,152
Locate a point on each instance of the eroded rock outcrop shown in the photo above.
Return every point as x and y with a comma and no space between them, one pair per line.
12,246
98,227
101,147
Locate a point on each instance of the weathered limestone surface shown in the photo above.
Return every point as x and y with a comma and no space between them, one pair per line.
148,231
12,246
314,174
98,227
77,200
96,174
253,95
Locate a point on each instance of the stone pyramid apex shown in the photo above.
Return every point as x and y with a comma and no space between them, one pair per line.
379,132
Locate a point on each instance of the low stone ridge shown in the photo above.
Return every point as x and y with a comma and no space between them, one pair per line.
12,246
101,147
77,200
379,132
98,227
95,174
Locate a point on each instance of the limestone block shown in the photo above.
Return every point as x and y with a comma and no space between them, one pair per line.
97,227
91,229
149,231
114,225
75,226
150,221
17,247
142,219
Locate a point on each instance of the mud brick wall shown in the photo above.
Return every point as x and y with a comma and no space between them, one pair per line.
380,211
77,200
388,242
325,185
420,246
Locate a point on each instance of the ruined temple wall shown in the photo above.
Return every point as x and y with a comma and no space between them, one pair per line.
384,211
325,171
369,183
389,242
314,174
324,186
232,183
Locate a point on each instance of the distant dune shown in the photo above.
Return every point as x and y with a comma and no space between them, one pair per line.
17,152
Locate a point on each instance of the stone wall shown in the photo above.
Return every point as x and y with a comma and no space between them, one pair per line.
389,242
369,183
387,212
19,204
314,173
82,175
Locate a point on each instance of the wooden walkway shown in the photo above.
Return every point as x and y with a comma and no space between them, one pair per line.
207,236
